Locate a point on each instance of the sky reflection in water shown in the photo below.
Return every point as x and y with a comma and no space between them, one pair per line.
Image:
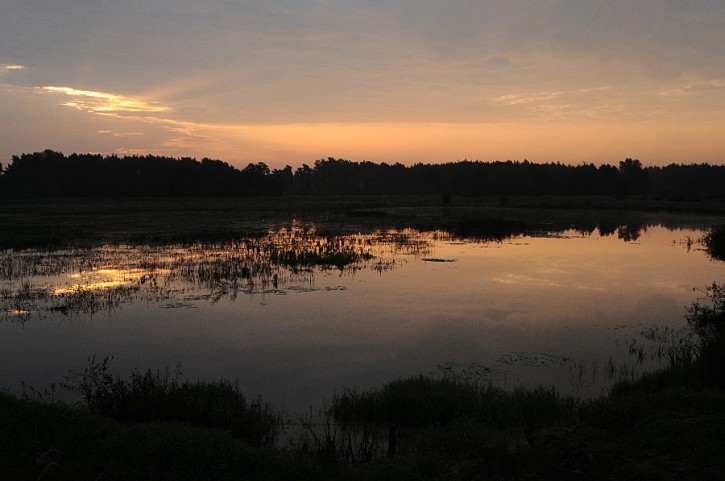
295,315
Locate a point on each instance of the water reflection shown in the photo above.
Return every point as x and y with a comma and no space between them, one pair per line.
284,260
301,309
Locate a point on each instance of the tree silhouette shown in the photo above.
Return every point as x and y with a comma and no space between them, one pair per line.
50,174
632,176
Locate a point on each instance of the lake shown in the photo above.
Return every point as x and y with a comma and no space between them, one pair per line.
305,309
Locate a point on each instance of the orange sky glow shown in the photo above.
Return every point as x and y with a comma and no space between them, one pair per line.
381,82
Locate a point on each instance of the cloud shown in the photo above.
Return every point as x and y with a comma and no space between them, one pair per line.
293,80
570,138
101,102
119,134
9,69
525,98
592,103
519,99
144,115
710,85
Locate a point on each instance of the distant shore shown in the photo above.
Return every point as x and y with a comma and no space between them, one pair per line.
62,221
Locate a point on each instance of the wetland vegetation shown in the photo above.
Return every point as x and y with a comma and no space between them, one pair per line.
666,425
715,242
67,265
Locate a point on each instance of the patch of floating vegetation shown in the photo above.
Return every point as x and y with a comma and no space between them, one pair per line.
177,305
472,371
203,297
478,372
588,379
618,327
534,359
316,289
437,259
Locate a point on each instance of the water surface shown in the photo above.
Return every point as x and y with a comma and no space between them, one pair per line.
298,313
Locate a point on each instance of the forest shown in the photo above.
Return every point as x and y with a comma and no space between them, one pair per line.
53,174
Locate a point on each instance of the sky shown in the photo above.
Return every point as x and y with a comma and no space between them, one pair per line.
292,81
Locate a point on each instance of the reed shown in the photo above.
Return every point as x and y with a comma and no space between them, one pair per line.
154,396
430,401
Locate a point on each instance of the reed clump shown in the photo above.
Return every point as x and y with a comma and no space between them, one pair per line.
153,396
706,318
435,401
715,242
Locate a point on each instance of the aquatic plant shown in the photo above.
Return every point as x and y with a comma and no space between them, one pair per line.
675,347
700,346
330,440
715,242
71,281
706,318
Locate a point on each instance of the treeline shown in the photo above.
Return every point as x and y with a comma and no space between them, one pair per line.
52,174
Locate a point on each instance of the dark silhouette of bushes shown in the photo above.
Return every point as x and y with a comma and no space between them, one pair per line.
706,318
715,242
155,396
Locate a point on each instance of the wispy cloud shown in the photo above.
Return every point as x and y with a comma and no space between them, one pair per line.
590,103
135,111
9,69
522,99
715,84
119,134
102,102
125,151
185,135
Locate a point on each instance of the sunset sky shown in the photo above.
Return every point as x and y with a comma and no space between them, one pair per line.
288,82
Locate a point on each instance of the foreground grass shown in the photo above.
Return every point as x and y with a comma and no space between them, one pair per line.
49,441
668,425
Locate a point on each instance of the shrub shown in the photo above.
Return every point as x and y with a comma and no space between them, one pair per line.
715,242
706,318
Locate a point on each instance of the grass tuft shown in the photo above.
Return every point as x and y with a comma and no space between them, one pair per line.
431,401
155,396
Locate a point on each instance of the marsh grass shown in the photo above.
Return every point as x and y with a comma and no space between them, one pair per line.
664,425
430,401
651,425
42,441
706,318
154,396
331,440
698,348
89,280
